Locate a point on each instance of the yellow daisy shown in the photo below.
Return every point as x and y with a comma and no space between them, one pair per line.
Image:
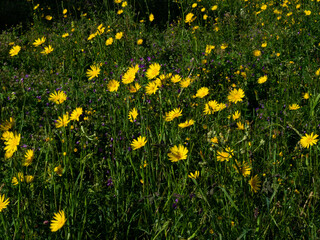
224,155
236,95
29,178
93,72
262,79
113,86
63,122
92,36
153,71
224,46
236,115
138,143
190,18
100,30
76,114
215,7
309,140
264,6
109,41
130,75
133,115
39,41
209,48
18,179
6,136
185,82
257,53
221,106
240,126
7,125
151,88
47,50
151,17
195,175
12,143
58,97
214,140
28,158
118,35
255,183
211,107
3,202
307,12
58,221
58,170
178,153
176,78
14,50
244,168
134,88
173,114
294,106
187,123
202,92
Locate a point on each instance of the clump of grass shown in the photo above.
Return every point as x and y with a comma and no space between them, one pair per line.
202,123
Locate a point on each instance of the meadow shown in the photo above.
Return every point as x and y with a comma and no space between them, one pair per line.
191,119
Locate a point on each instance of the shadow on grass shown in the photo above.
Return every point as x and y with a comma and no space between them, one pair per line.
14,12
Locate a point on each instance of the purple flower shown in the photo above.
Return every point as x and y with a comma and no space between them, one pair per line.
109,182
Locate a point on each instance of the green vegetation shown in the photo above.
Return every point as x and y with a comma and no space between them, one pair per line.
193,120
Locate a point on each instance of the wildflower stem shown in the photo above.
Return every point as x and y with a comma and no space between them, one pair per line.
4,224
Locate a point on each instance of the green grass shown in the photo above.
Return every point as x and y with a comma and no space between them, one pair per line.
109,191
